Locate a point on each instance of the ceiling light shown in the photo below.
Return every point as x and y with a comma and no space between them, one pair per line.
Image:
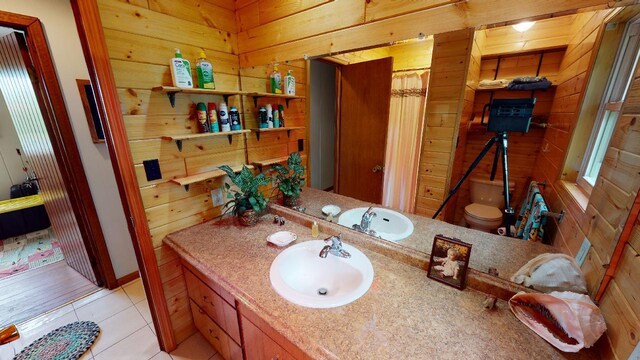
523,26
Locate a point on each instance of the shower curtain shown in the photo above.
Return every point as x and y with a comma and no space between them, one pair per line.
404,137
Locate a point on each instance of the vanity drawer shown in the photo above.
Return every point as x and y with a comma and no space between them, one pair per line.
213,305
214,334
258,346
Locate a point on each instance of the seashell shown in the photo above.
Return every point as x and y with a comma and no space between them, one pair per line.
566,320
552,272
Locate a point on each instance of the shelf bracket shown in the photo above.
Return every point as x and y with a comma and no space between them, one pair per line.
230,137
172,98
286,101
186,187
288,133
255,101
258,135
179,145
226,98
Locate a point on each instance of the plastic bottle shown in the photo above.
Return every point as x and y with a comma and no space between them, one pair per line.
201,113
223,118
262,117
289,84
213,117
314,230
276,119
204,69
269,116
276,81
181,71
234,118
281,113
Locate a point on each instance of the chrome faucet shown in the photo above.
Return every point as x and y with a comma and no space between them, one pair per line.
335,248
365,223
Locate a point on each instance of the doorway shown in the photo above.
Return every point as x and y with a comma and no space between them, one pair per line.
49,221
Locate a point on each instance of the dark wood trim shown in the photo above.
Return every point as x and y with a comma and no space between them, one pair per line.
128,278
96,55
87,110
65,148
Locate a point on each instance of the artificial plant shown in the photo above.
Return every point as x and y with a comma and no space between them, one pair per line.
290,179
247,196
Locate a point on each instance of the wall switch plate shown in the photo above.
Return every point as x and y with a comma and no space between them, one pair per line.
584,250
217,199
300,145
152,169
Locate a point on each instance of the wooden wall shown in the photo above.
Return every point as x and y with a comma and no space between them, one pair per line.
609,205
274,31
445,107
141,37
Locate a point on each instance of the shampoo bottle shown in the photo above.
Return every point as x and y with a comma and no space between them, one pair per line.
223,118
181,71
269,116
234,118
276,81
213,117
289,84
205,72
203,123
262,116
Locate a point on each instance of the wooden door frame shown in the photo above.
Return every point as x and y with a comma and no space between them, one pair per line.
89,24
58,124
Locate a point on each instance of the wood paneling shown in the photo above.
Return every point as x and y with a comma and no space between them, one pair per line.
445,99
359,25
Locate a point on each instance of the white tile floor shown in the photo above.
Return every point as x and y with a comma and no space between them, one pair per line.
126,328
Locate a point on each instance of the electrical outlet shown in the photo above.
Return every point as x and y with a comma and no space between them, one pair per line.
216,197
584,250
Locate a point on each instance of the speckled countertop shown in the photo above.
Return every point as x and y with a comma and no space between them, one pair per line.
507,255
404,315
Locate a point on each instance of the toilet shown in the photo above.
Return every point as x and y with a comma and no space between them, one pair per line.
485,211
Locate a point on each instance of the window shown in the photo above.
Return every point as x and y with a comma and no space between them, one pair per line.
617,86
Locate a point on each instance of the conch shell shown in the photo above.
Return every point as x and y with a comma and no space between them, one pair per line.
566,320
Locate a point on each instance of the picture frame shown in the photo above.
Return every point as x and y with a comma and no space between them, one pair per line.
91,110
449,261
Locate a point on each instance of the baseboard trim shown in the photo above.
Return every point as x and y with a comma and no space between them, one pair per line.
128,278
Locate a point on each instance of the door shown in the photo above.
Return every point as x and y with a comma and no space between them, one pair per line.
365,94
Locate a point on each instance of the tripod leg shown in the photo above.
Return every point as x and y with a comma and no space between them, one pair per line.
494,168
508,210
484,152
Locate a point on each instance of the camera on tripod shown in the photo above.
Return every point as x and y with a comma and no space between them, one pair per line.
509,114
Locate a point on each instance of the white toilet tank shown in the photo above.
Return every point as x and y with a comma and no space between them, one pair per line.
487,192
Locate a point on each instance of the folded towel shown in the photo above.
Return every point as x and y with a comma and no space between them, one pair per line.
493,84
529,83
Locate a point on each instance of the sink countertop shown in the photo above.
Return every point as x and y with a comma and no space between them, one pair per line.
404,315
507,255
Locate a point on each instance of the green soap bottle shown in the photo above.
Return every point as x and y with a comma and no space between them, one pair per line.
205,72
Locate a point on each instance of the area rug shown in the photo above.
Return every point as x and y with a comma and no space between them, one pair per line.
25,252
65,343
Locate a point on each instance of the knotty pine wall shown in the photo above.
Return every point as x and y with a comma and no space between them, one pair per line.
141,36
445,107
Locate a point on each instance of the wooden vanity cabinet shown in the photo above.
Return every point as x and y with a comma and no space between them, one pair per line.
231,327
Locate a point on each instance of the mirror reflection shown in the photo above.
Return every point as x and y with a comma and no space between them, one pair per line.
470,128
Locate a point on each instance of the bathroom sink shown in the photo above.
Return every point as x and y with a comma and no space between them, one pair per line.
388,224
301,276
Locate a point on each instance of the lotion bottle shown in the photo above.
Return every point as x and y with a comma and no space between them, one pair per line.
181,71
289,84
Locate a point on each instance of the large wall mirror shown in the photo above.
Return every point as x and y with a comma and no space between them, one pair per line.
394,129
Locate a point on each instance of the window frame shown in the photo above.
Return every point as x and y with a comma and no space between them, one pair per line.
618,84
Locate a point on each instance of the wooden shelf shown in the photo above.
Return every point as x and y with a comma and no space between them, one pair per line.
179,138
260,164
171,92
258,95
188,180
288,129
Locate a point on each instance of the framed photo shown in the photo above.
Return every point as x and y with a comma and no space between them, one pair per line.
449,261
91,110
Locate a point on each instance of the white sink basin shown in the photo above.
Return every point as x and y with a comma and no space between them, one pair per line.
299,275
389,225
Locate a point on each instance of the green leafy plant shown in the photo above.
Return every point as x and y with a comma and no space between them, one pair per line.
247,196
290,179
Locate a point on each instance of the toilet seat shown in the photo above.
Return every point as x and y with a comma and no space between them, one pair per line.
483,212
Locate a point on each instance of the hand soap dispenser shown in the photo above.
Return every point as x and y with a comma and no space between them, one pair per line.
181,71
205,72
276,81
289,84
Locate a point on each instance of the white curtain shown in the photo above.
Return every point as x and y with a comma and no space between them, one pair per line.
404,137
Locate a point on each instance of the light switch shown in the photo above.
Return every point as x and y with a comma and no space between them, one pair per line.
217,199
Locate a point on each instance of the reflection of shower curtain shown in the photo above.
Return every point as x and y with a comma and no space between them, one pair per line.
406,118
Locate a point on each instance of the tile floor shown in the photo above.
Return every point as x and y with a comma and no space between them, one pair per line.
126,328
